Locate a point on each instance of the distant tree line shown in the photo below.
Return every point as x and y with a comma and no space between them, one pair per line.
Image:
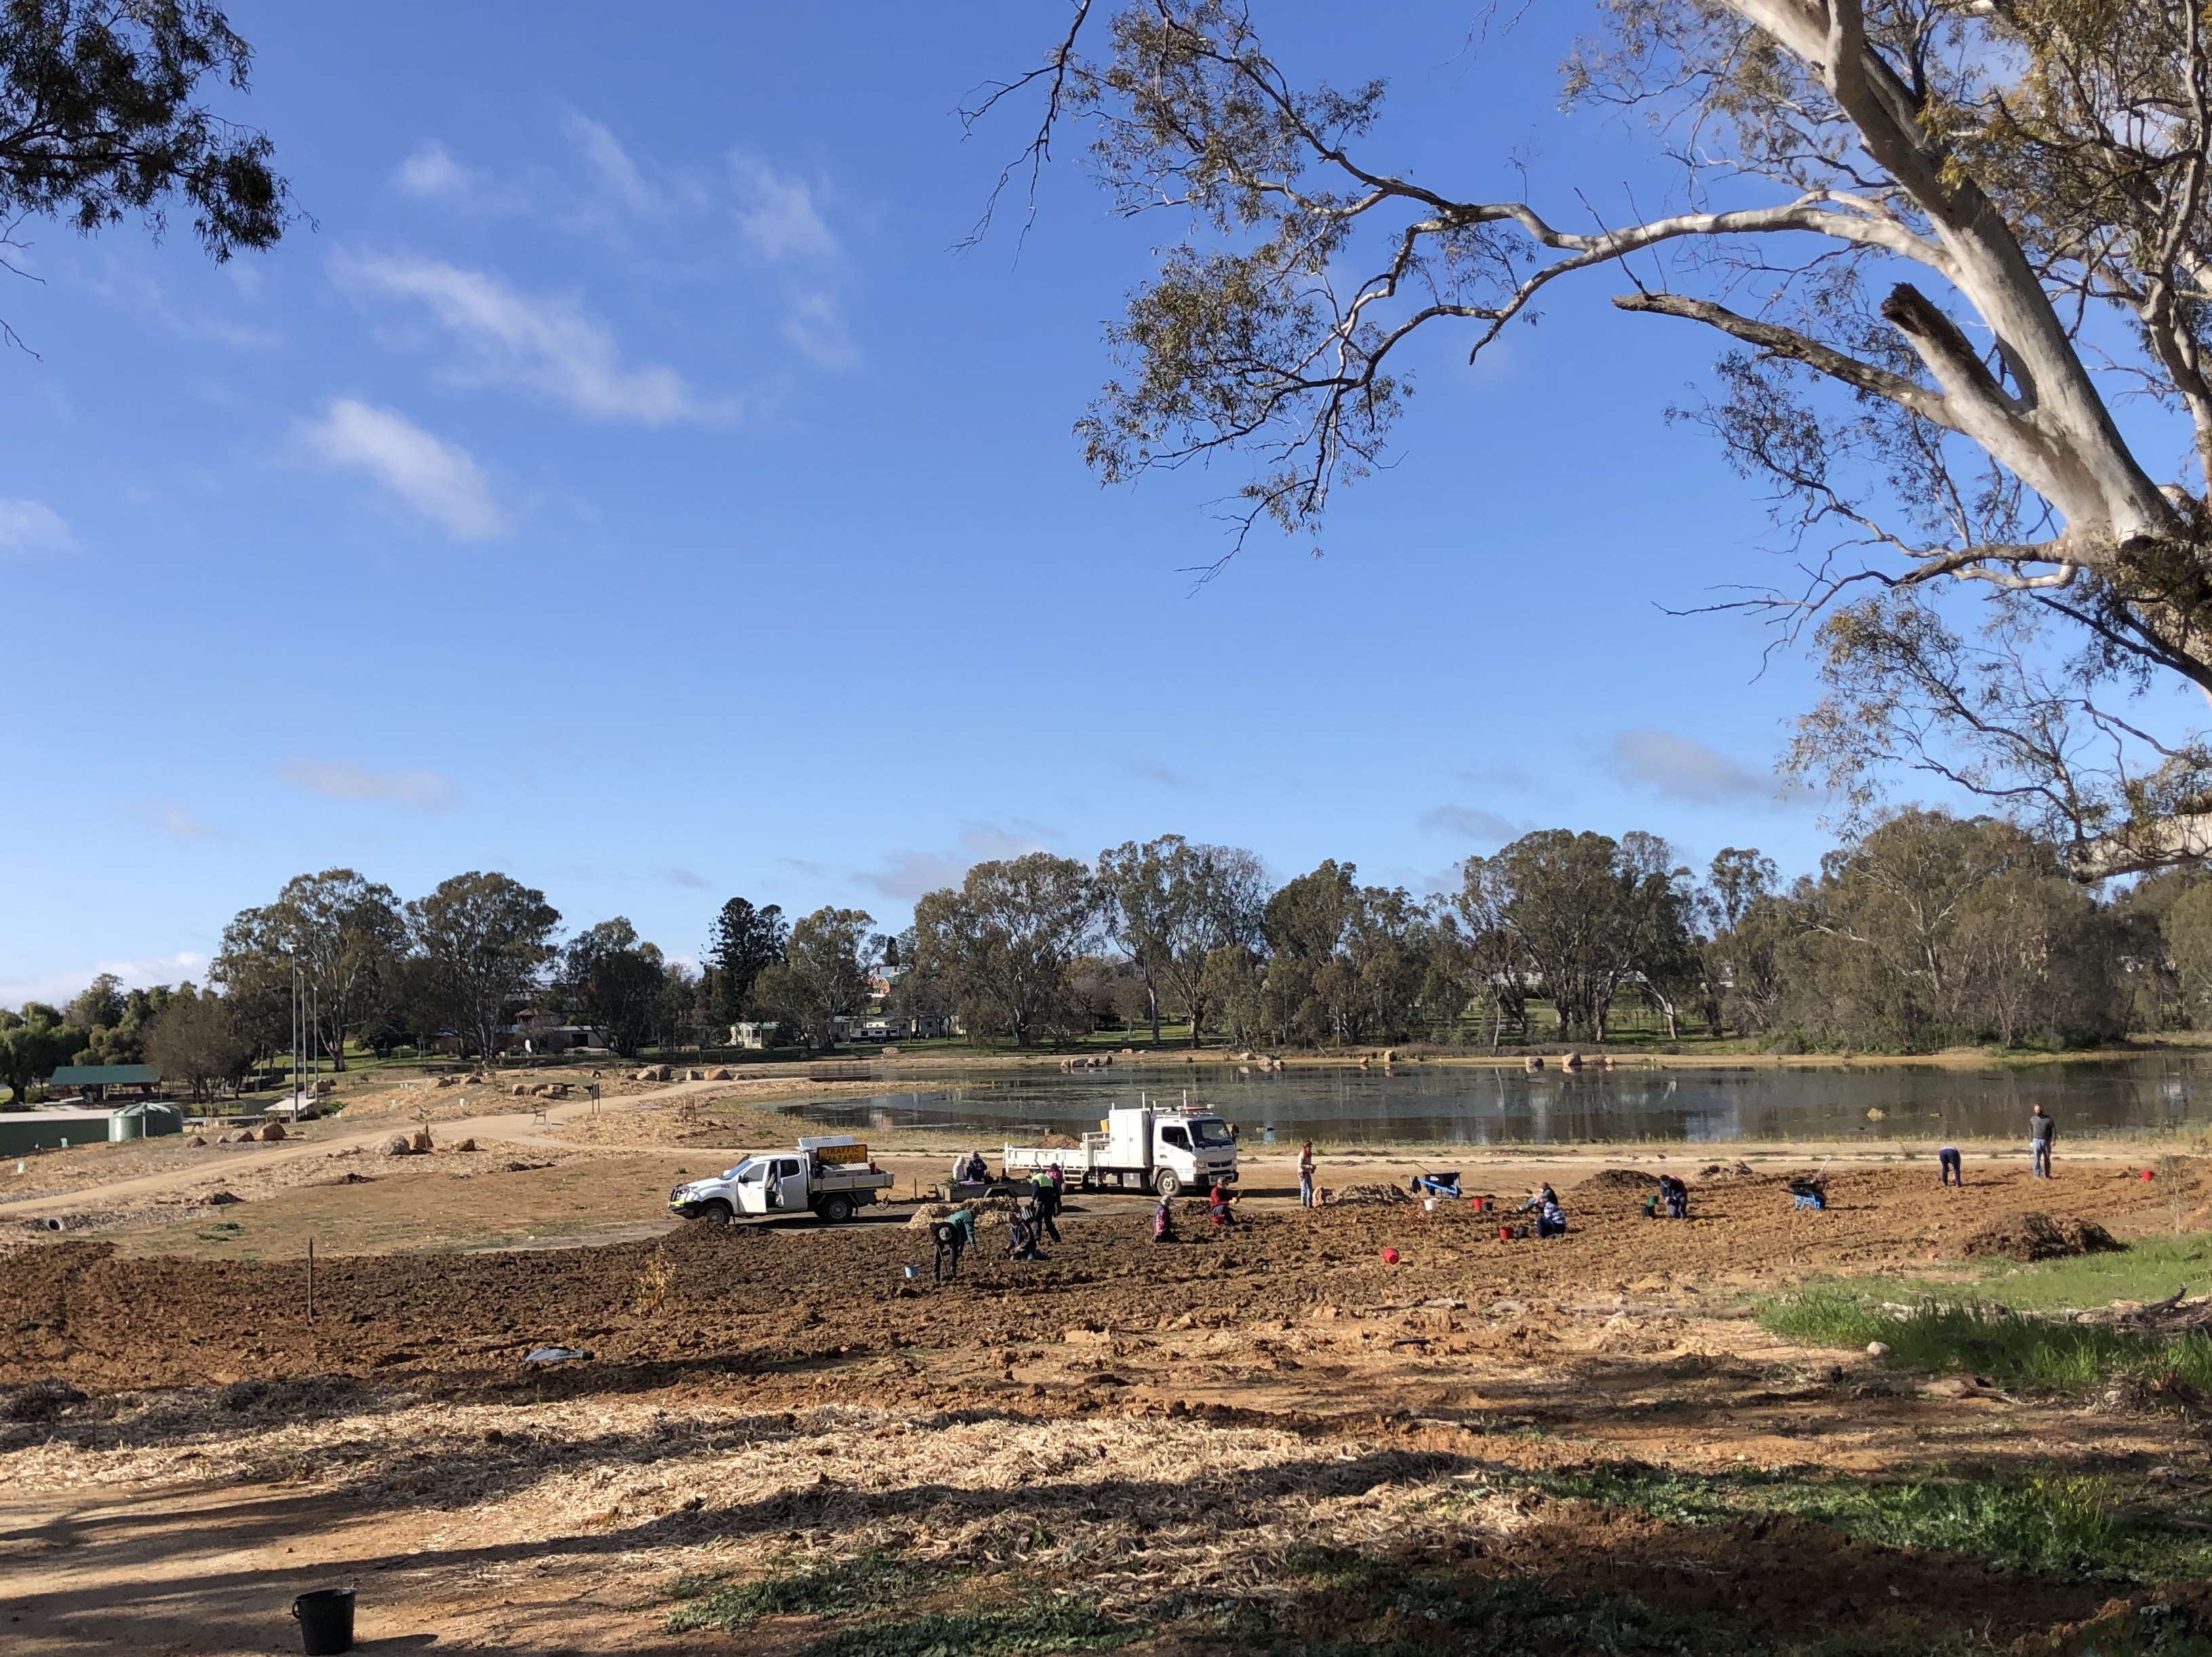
1929,930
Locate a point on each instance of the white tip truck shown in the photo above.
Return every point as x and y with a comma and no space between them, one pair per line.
829,1176
1165,1148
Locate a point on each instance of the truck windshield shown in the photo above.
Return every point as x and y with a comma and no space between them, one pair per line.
1211,1132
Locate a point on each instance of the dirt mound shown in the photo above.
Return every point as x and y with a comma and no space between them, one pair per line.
1617,1179
2036,1236
1368,1196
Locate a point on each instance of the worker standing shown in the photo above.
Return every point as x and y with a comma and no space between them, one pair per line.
1305,1175
2041,1132
1048,1202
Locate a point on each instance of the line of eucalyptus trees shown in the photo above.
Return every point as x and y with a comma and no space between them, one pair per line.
1929,929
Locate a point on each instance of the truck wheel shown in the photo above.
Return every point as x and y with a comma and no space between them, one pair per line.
1166,1184
717,1212
835,1211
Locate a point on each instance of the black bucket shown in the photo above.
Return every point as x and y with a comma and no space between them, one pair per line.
325,1618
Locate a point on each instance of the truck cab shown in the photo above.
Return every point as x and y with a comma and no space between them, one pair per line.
1157,1147
828,1175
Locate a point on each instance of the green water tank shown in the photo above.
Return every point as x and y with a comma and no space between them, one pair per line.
147,1120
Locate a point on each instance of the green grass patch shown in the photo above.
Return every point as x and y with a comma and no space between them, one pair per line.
832,1587
1042,1625
1978,1337
1354,1604
2150,1270
2049,1523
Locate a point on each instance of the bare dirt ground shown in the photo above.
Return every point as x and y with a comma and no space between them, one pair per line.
1261,1438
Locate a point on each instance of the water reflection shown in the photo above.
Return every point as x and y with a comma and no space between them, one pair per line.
1490,1106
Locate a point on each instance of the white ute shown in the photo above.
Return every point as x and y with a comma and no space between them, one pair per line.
1166,1149
829,1176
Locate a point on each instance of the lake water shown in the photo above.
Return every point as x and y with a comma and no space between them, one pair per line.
1480,1106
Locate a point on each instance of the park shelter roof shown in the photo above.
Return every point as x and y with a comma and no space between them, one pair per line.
105,1075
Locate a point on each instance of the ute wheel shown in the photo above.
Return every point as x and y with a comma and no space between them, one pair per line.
1166,1184
1084,1183
835,1211
717,1212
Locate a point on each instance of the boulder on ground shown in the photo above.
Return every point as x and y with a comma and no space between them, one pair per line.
1571,1061
244,1136
273,1132
197,1142
520,1091
695,1074
725,1074
1535,1061
397,1145
420,1141
466,1144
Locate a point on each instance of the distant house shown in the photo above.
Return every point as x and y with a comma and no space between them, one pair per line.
533,1036
875,1027
756,1037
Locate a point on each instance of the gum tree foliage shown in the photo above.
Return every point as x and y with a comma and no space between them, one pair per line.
1590,918
1171,904
1938,238
613,980
115,1021
102,115
1749,922
339,932
823,975
1932,928
32,1041
194,1040
1003,941
485,941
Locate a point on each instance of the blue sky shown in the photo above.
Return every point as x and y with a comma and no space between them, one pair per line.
622,482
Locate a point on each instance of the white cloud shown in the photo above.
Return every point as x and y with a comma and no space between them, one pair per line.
547,343
439,480
176,821
908,874
431,173
1470,822
616,171
58,988
418,791
1681,767
814,326
32,526
779,217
